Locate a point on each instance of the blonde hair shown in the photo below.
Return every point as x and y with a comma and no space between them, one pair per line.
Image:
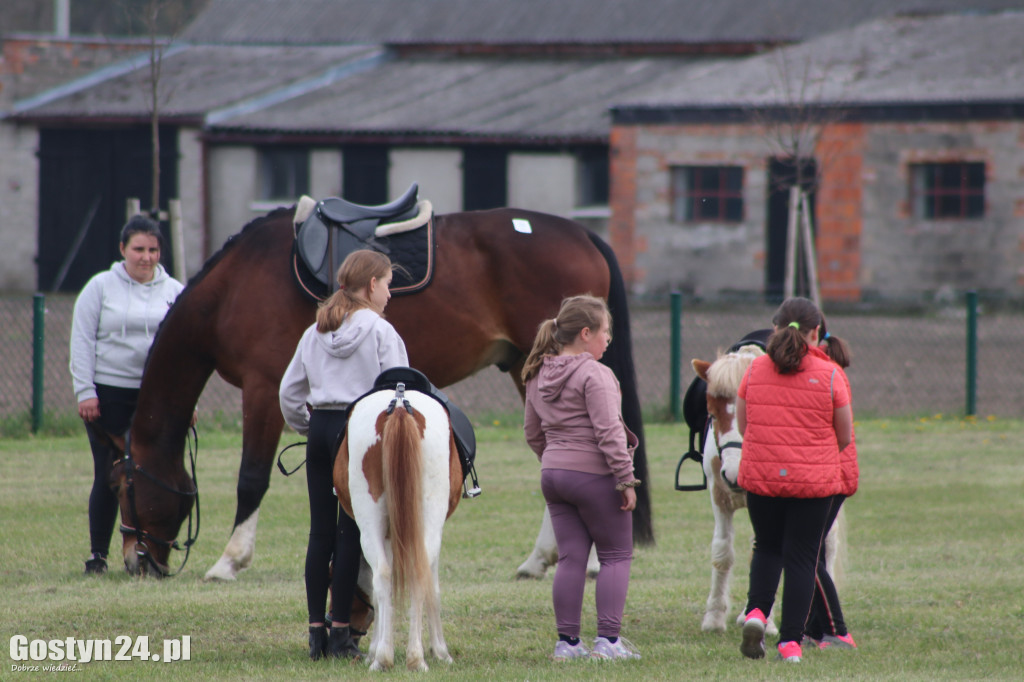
354,276
576,313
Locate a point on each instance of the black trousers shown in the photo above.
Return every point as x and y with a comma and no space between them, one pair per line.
826,612
333,535
117,405
788,534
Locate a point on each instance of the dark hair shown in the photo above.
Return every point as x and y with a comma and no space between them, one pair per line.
354,276
576,313
835,347
141,224
787,346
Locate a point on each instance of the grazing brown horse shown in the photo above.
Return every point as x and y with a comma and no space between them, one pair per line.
242,316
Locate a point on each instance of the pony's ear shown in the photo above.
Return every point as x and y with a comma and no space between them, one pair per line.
700,367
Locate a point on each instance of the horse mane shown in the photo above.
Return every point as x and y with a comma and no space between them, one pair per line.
726,373
210,264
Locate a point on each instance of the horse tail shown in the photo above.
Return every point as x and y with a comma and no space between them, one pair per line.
835,548
403,481
619,357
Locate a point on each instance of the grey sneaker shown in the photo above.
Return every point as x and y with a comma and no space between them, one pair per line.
606,651
568,652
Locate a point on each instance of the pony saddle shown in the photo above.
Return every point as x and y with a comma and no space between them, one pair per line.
462,429
695,409
336,227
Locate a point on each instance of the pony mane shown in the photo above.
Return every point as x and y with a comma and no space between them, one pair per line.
725,373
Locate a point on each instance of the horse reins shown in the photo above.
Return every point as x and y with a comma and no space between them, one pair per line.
143,536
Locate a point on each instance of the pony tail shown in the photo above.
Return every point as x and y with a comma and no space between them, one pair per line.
331,313
787,348
837,349
403,475
543,344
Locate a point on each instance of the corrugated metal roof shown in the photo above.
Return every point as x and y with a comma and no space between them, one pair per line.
521,98
972,58
546,21
193,81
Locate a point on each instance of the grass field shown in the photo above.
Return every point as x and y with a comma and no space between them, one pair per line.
932,588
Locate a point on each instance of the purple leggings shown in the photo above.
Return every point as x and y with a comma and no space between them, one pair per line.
585,511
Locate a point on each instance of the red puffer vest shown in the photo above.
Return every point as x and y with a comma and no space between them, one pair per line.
789,445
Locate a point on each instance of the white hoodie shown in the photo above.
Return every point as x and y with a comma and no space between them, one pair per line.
331,370
113,327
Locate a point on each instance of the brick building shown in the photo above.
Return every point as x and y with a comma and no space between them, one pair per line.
914,155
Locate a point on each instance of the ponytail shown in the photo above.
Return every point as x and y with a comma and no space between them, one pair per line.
543,344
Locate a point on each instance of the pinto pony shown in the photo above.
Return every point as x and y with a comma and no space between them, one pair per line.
398,474
722,453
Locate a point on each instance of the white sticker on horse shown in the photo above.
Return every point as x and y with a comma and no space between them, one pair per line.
522,225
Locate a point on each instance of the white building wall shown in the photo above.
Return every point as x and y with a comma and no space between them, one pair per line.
437,171
190,193
19,208
325,173
232,178
542,182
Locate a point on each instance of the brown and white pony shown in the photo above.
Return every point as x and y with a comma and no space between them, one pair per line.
398,474
722,453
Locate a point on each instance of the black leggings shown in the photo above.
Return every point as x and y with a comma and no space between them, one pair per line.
788,533
331,534
826,612
117,405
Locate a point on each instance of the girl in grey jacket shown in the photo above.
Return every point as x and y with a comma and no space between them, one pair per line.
115,320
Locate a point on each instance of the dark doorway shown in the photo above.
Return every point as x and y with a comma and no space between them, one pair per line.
85,180
484,178
782,175
364,174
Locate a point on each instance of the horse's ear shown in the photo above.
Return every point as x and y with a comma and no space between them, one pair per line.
700,367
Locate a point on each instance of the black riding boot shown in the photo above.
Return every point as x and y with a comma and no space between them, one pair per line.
96,564
341,645
317,642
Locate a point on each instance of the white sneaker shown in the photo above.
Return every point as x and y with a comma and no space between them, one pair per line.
606,651
568,652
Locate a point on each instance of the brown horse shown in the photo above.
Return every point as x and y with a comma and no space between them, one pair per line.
242,316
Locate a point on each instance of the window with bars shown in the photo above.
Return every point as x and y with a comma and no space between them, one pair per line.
707,193
947,190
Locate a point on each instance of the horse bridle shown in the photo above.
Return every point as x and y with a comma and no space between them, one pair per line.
144,536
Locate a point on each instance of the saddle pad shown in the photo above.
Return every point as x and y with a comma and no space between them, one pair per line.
412,250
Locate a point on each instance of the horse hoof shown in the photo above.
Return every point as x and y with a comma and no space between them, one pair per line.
419,666
221,571
713,623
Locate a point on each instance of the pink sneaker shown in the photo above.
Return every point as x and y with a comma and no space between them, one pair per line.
790,652
752,645
837,642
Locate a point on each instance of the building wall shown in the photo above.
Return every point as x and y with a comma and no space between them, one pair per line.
232,188
437,171
19,207
190,193
869,245
542,182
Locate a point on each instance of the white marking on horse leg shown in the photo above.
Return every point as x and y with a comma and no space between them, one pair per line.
414,648
545,551
438,647
722,560
238,553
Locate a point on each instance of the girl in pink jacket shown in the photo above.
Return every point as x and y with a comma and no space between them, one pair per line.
574,424
793,410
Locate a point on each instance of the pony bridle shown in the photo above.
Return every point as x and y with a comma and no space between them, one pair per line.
735,442
142,537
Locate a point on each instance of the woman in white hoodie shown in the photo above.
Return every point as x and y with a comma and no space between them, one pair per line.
337,360
116,317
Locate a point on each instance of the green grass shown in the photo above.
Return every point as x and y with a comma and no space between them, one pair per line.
932,588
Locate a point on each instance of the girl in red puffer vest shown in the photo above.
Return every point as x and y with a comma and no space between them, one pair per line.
793,410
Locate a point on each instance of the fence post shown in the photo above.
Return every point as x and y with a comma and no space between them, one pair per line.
972,352
675,353
38,336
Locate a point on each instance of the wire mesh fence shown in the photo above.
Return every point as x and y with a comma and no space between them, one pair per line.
906,361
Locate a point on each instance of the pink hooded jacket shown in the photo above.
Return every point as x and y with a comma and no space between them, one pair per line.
572,418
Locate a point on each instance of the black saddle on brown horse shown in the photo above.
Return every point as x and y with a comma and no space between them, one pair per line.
402,229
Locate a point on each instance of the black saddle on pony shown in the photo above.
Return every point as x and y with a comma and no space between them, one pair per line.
462,428
337,227
695,410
